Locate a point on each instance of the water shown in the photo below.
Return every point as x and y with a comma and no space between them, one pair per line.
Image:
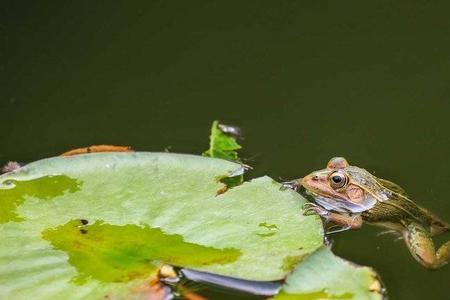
305,80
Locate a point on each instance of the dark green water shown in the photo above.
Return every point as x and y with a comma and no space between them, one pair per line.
306,80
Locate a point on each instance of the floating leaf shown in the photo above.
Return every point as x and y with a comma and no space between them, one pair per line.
325,276
221,144
99,225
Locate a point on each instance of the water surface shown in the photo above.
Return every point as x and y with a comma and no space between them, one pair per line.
306,81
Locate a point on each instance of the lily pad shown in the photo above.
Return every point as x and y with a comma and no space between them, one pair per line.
99,225
327,277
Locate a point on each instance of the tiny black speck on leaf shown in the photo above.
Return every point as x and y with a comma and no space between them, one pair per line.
83,231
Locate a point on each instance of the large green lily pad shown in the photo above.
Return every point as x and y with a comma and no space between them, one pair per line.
95,225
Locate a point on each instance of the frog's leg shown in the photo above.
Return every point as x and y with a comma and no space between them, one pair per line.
97,148
341,221
421,246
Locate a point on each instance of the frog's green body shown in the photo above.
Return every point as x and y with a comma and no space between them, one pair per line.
397,212
348,196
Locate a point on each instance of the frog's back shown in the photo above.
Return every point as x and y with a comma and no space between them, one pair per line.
399,211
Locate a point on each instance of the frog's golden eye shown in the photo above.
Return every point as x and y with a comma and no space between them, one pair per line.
338,180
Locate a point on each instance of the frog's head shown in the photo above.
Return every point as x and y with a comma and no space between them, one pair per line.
341,187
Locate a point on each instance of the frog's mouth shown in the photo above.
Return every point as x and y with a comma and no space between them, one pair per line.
332,204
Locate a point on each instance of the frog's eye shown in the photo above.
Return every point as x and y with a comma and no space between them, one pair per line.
338,180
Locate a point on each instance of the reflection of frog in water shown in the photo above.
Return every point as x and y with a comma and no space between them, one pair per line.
347,195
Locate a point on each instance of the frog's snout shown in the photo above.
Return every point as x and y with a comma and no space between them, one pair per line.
313,182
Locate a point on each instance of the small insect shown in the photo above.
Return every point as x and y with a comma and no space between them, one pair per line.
232,130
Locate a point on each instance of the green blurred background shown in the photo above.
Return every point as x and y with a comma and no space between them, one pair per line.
306,80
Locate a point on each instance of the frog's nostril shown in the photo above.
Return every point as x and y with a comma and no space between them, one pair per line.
315,178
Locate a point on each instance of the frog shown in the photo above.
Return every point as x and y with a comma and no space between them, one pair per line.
347,196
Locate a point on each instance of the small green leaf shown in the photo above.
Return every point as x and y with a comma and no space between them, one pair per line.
222,145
